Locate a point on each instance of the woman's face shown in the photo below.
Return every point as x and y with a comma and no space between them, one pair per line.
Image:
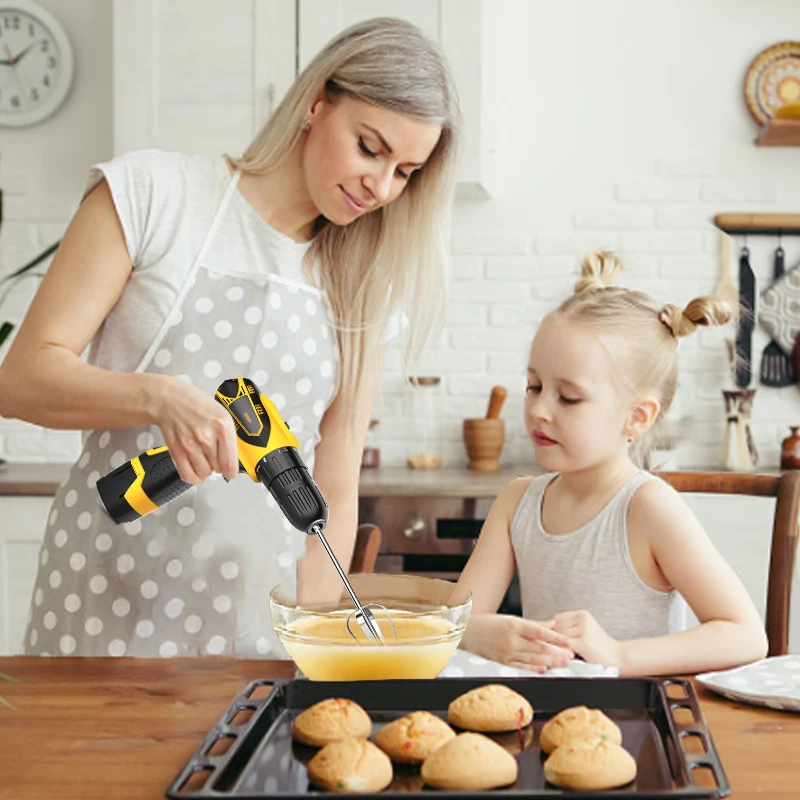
359,157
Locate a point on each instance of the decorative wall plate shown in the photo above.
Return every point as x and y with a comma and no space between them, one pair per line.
773,80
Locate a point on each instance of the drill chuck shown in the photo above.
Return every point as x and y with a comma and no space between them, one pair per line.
288,480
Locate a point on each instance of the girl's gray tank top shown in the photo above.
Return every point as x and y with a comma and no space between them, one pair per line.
589,568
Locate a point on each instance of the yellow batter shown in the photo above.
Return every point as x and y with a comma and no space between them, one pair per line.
340,658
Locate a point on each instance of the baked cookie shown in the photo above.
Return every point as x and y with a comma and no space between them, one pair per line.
470,762
577,723
411,739
331,720
491,708
350,765
590,766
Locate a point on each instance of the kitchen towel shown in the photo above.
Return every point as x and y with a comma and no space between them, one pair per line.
772,682
780,310
466,664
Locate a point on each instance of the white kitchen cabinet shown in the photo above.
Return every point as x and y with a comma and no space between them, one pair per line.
22,524
457,26
197,76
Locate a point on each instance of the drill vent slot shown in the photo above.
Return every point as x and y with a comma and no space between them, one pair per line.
289,477
302,500
295,490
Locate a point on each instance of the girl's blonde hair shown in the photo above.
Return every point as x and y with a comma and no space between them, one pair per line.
646,333
394,256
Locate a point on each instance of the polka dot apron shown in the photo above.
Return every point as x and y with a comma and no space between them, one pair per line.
193,577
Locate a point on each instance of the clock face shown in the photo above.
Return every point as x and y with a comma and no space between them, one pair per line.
35,63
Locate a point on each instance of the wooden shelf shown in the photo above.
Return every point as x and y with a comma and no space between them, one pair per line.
780,133
758,223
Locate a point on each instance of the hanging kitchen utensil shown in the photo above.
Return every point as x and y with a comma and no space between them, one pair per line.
746,320
776,366
725,289
779,310
739,448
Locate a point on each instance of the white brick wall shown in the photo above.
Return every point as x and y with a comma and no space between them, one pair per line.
603,145
598,144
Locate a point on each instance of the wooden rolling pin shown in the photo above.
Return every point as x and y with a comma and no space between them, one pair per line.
496,401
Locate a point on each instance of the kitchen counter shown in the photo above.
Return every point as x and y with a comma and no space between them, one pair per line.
44,479
92,728
447,482
32,479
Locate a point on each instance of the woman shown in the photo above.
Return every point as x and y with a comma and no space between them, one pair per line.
287,266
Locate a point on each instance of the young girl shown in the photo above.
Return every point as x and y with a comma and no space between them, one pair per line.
604,550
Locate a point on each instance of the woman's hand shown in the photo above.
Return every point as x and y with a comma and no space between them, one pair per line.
198,431
517,642
587,638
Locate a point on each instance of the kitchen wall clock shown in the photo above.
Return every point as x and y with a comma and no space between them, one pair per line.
36,65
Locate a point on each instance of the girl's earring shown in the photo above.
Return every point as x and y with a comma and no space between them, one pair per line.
306,126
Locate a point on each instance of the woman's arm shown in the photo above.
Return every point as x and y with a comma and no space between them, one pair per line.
730,631
337,466
43,379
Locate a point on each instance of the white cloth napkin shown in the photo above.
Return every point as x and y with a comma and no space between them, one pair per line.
466,664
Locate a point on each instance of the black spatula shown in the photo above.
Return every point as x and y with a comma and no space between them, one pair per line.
776,366
746,321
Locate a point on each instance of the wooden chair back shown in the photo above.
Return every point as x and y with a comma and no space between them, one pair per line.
785,488
365,553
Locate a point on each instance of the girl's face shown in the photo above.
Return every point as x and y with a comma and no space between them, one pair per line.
575,410
359,157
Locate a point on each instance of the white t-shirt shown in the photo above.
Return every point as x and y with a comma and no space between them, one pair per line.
165,203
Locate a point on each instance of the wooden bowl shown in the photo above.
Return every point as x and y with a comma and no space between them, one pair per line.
484,439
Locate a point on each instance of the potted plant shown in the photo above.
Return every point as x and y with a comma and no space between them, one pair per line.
10,282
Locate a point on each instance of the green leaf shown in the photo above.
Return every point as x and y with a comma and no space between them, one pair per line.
9,678
32,263
5,331
6,703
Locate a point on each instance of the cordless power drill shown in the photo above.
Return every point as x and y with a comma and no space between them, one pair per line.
267,453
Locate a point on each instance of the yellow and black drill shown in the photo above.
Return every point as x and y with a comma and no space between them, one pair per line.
267,453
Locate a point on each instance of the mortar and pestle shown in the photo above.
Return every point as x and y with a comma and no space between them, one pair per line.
484,437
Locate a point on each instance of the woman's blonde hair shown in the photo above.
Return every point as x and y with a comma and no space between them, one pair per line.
646,333
394,256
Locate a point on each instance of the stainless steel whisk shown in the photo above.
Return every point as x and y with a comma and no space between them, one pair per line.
364,617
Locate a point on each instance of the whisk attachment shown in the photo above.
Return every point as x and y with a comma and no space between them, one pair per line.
367,622
364,617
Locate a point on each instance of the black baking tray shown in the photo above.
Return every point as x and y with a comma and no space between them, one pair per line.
249,753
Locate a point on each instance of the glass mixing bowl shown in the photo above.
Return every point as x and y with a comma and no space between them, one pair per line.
429,618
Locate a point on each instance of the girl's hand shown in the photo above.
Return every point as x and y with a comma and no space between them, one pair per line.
517,642
199,431
587,638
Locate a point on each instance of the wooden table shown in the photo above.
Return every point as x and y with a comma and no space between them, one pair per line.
101,727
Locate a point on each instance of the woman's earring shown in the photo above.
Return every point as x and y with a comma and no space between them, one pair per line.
306,126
